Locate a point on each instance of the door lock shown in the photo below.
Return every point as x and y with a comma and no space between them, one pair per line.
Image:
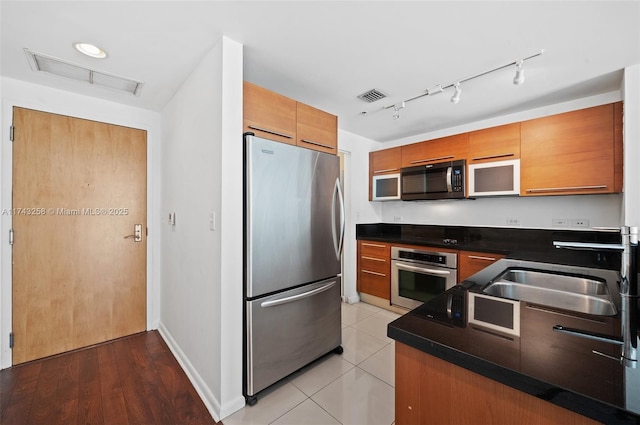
137,233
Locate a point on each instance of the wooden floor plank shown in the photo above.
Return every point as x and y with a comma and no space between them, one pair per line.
132,380
89,396
15,410
114,410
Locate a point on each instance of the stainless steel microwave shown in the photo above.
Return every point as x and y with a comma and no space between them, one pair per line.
443,180
497,178
385,187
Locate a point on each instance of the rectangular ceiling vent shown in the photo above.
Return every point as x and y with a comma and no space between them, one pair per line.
372,95
44,63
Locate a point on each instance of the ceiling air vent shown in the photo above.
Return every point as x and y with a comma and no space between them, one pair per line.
372,95
44,63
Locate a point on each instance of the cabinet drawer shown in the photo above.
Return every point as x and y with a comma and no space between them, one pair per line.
469,263
374,283
375,249
381,265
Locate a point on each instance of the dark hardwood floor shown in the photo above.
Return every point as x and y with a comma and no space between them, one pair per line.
133,380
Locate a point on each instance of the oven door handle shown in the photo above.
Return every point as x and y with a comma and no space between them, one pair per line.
422,269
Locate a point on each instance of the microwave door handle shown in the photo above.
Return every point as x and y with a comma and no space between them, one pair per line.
422,269
449,185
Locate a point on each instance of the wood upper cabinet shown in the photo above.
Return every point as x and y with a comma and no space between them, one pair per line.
374,269
447,148
269,114
495,144
386,161
317,129
577,152
470,263
276,117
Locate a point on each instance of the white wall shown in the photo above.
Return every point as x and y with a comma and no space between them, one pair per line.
631,90
358,209
201,314
32,96
538,212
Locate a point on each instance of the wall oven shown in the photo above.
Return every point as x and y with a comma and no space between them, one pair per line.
418,276
385,187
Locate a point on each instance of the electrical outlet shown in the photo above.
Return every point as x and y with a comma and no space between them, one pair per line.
397,218
560,222
513,221
580,222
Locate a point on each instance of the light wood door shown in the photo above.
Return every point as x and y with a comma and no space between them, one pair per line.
79,188
448,148
268,114
316,129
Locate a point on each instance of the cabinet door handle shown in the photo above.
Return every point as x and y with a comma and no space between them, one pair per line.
382,260
502,155
253,127
564,189
373,245
385,171
374,273
475,257
311,142
418,161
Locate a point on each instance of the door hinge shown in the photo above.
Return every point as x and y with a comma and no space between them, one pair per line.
10,236
11,132
11,340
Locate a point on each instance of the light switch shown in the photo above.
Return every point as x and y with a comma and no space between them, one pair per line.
212,221
172,218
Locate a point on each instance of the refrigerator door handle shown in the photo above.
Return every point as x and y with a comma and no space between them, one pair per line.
337,239
297,297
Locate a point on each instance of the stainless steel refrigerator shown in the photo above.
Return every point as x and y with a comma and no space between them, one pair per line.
293,232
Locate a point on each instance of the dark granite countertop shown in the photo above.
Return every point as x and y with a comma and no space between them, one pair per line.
444,341
526,244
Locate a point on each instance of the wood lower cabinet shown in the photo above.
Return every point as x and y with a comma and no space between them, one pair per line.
576,152
374,269
430,390
448,148
269,114
317,129
469,262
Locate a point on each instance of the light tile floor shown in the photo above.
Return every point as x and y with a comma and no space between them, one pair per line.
352,389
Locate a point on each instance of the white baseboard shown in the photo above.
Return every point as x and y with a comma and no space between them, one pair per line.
351,300
212,404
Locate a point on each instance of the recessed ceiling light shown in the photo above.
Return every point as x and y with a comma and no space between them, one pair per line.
90,50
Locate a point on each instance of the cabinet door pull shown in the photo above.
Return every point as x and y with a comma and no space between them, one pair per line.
502,155
385,171
382,260
476,257
374,273
440,158
373,245
564,189
311,142
253,127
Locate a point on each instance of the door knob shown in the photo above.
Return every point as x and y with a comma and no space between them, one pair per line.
137,233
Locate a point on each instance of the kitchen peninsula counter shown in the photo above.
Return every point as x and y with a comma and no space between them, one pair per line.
428,343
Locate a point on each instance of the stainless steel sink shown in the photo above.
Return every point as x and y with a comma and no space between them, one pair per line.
583,294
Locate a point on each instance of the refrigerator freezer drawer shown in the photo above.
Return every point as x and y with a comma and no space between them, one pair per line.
289,330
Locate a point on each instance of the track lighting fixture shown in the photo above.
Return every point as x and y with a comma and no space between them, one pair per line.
439,88
397,108
456,94
519,78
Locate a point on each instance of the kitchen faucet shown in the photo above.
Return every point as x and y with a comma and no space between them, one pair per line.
629,310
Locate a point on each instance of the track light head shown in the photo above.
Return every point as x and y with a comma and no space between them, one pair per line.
397,108
519,78
456,94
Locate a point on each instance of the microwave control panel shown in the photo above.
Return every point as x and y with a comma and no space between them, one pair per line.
457,179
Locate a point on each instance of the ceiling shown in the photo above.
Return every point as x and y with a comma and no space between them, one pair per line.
327,53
